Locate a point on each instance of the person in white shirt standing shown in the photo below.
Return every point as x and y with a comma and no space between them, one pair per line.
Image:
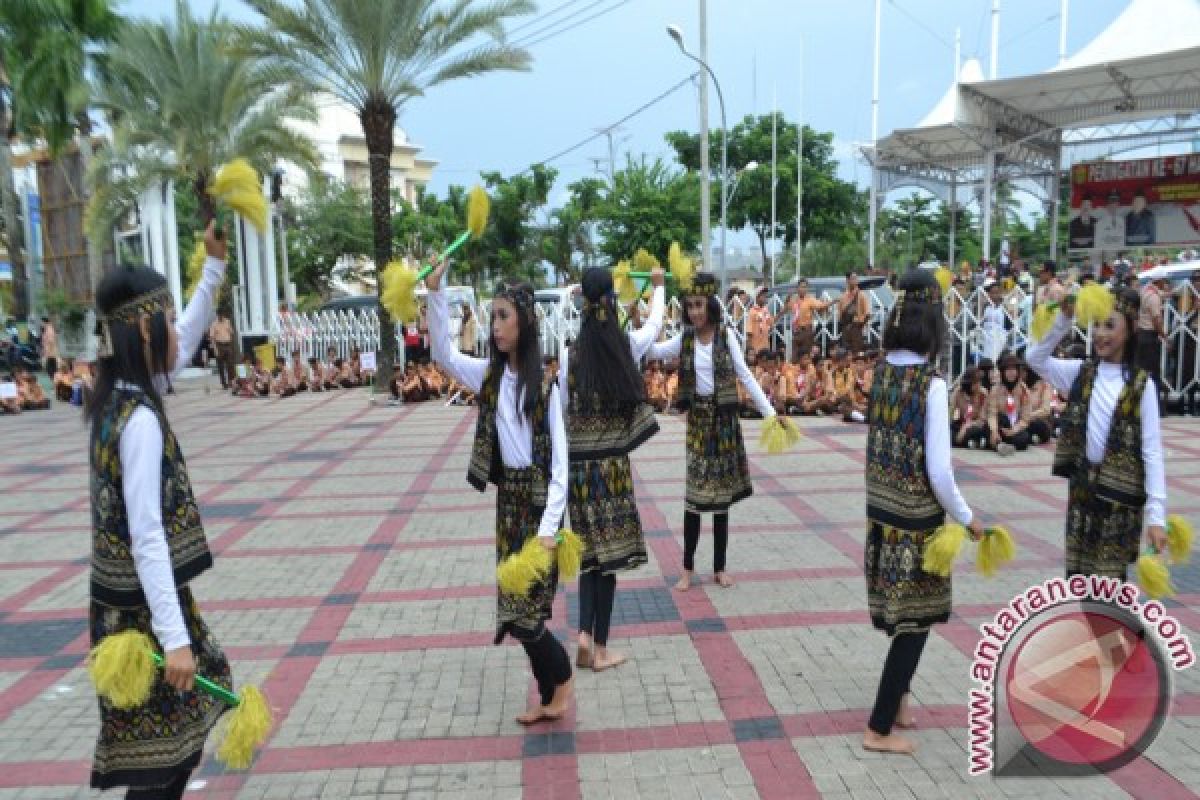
1110,225
521,447
148,541
910,492
1109,444
711,365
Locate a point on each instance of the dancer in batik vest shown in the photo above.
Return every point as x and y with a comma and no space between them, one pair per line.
607,419
1109,446
711,365
521,447
147,538
910,490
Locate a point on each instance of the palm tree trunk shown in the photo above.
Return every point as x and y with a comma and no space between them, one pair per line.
16,238
95,250
378,121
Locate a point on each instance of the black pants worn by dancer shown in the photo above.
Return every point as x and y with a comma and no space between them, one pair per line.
691,538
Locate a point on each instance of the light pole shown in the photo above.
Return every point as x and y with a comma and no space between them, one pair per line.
676,33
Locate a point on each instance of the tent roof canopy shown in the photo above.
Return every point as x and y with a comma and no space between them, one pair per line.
1145,65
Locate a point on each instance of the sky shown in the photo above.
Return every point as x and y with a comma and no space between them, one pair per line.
814,56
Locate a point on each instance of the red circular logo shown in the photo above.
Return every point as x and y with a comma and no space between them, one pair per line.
1084,688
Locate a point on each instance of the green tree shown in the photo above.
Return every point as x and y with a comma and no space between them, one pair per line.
570,231
650,205
833,209
328,232
377,56
511,245
51,46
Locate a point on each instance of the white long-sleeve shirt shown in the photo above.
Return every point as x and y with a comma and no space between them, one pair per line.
704,367
141,452
938,463
1110,380
639,342
512,426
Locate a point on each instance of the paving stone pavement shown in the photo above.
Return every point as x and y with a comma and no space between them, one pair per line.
354,583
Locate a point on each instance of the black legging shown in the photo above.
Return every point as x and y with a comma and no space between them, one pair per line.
172,791
550,665
596,595
1041,428
691,538
898,670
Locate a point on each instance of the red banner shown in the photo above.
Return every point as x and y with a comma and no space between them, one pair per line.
1145,202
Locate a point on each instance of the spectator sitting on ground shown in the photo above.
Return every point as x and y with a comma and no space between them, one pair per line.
316,381
412,389
432,378
396,385
968,411
81,386
11,405
800,379
365,376
261,379
281,381
63,381
821,399
1044,403
347,374
1008,409
244,386
299,376
655,386
331,370
33,397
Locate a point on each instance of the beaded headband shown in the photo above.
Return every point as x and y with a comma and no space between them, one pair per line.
518,295
924,294
599,309
704,283
1126,304
128,313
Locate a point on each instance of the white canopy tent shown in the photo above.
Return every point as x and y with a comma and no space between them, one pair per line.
1136,83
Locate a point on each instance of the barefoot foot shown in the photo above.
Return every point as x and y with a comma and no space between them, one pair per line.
723,580
892,743
904,717
560,701
608,659
685,581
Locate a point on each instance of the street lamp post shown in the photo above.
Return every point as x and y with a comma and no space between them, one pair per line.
676,33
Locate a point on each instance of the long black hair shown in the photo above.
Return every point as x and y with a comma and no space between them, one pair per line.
916,322
529,357
605,374
132,361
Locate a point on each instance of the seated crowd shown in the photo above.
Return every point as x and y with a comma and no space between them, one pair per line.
413,383
72,382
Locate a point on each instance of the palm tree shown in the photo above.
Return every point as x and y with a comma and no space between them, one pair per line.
376,56
52,45
182,103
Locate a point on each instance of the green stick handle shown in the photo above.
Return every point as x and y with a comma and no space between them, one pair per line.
457,243
216,690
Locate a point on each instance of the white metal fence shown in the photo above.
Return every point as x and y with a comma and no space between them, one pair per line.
313,333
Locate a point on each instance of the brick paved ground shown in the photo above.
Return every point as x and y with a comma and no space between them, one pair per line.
354,582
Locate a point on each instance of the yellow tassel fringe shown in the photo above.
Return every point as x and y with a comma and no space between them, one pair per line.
399,291
1179,539
238,186
1043,320
945,279
122,669
779,435
517,573
1153,575
682,267
623,284
1093,305
996,550
942,549
478,207
249,724
569,553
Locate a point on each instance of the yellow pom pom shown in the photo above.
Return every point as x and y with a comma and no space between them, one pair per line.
1152,574
682,267
996,549
238,186
1093,305
644,261
249,725
195,268
517,573
942,549
478,206
779,435
1043,320
623,284
569,553
945,279
400,291
122,668
1179,539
